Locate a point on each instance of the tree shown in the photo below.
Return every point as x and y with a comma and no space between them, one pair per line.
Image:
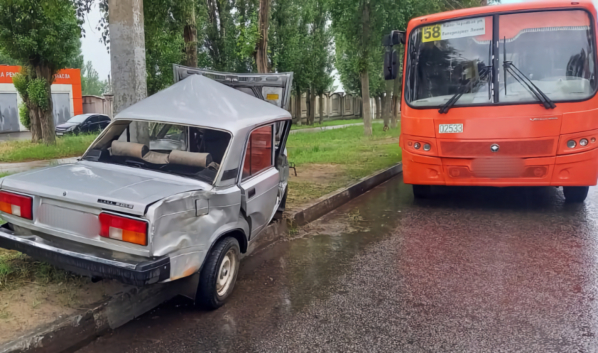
91,85
261,50
358,26
7,60
190,33
164,43
42,35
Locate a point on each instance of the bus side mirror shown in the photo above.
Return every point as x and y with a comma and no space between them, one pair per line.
398,37
394,38
391,66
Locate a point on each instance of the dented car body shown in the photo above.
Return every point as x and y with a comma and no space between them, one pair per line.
165,182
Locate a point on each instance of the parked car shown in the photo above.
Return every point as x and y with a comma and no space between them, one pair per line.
84,123
178,185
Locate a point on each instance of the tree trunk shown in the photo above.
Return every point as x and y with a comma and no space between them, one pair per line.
261,52
36,128
321,109
365,96
190,36
312,107
46,117
298,109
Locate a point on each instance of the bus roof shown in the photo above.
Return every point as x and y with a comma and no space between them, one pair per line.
484,10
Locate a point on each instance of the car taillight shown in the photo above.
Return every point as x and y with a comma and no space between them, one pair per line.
123,228
16,205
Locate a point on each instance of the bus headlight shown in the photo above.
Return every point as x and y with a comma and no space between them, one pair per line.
571,143
583,142
427,147
416,145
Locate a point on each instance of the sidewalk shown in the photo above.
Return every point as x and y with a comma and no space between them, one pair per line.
12,136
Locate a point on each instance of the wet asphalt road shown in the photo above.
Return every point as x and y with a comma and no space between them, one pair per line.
472,270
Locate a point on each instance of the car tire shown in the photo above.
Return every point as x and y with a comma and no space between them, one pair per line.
218,274
575,194
422,191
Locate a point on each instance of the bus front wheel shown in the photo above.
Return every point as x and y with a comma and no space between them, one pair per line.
422,191
575,193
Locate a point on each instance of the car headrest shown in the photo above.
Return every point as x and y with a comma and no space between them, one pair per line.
191,159
129,149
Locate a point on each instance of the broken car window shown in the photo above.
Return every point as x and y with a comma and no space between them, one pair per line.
170,148
259,151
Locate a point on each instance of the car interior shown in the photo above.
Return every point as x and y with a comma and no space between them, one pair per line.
176,149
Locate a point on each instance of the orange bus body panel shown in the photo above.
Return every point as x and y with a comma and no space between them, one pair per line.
532,139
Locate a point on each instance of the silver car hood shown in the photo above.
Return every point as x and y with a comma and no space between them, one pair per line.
101,185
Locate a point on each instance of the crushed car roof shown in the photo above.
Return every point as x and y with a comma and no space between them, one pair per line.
198,100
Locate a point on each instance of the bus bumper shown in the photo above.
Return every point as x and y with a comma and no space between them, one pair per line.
579,169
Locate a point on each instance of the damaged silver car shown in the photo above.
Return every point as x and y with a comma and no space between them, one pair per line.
178,184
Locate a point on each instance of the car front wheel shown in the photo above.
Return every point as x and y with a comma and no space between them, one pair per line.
219,274
575,193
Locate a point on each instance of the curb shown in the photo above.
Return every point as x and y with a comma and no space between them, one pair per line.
329,202
74,332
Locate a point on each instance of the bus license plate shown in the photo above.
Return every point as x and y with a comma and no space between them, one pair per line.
450,128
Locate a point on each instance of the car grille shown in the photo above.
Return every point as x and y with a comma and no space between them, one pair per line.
522,148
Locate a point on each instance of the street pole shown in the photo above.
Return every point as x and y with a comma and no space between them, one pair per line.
127,55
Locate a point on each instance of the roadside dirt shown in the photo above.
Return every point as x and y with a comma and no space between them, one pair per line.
314,181
35,304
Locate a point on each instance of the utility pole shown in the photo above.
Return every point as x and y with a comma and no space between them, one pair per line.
127,55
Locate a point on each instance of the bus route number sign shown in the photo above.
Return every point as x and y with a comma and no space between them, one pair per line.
432,33
454,29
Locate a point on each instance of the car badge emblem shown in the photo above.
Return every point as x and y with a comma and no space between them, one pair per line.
494,148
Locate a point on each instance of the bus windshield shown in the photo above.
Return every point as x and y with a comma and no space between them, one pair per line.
554,49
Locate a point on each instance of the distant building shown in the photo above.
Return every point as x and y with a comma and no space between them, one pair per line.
66,98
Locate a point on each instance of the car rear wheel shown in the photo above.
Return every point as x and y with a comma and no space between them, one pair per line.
422,191
575,193
219,274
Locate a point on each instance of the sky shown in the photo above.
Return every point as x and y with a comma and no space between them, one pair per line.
92,48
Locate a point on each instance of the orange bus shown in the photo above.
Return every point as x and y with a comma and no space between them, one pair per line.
501,96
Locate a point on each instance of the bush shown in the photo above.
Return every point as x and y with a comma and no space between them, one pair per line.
24,116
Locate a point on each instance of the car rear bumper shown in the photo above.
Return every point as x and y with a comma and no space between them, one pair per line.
130,272
579,169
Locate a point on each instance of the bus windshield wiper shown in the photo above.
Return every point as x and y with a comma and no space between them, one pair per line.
471,84
485,71
523,80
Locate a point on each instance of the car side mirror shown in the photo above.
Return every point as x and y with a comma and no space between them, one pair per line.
391,66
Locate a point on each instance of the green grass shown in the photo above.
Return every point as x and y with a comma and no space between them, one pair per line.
17,268
359,154
23,151
328,123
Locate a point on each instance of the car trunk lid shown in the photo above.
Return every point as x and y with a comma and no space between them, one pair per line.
99,186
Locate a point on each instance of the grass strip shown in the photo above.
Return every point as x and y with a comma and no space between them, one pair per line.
357,156
349,147
24,151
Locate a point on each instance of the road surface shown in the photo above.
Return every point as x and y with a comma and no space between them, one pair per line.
473,270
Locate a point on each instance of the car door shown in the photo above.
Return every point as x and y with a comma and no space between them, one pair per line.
104,121
259,179
90,124
274,88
